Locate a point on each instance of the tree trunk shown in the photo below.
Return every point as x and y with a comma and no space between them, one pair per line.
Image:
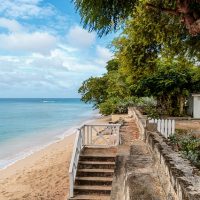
194,28
190,15
181,105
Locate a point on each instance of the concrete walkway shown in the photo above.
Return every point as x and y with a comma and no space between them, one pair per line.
135,177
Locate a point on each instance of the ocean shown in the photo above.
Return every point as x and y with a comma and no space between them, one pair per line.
27,125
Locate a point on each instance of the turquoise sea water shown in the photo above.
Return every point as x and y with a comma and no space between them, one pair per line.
29,124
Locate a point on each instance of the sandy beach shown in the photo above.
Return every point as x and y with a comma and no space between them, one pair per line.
41,176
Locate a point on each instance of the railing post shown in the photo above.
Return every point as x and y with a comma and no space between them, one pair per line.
83,132
82,137
73,164
91,136
71,182
118,136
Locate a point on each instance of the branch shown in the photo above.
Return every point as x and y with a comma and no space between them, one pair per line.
166,10
194,29
192,23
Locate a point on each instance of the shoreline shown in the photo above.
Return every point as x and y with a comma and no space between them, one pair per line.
23,155
43,174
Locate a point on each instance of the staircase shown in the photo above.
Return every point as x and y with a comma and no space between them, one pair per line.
94,174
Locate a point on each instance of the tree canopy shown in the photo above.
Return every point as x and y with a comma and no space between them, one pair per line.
104,16
154,57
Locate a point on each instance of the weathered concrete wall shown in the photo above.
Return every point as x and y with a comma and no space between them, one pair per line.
180,180
135,177
119,187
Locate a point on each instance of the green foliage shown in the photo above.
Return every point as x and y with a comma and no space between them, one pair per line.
145,101
97,90
166,79
93,90
148,106
154,57
107,107
157,64
189,146
111,106
112,65
103,15
152,112
173,139
116,105
171,83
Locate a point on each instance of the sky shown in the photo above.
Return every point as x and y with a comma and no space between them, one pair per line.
45,52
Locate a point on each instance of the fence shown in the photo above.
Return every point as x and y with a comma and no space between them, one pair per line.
165,126
102,135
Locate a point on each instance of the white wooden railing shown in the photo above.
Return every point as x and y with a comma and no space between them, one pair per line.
78,145
102,135
165,126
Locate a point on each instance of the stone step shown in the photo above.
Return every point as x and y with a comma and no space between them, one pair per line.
92,189
95,174
94,181
97,170
103,151
91,197
96,163
98,155
92,157
103,179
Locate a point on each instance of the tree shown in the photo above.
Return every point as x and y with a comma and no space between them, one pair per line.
97,90
106,15
154,56
171,84
106,92
148,51
112,65
93,90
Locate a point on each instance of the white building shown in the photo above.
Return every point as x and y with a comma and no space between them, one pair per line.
194,106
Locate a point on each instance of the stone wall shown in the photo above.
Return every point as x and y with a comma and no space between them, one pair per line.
140,120
180,180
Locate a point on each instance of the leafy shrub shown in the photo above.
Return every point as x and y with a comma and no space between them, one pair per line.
117,105
148,105
188,145
146,101
108,107
173,139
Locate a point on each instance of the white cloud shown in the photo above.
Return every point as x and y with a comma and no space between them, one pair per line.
11,25
48,61
41,42
59,72
79,37
67,48
21,40
60,59
25,9
103,55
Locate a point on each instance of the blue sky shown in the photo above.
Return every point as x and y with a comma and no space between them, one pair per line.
44,51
